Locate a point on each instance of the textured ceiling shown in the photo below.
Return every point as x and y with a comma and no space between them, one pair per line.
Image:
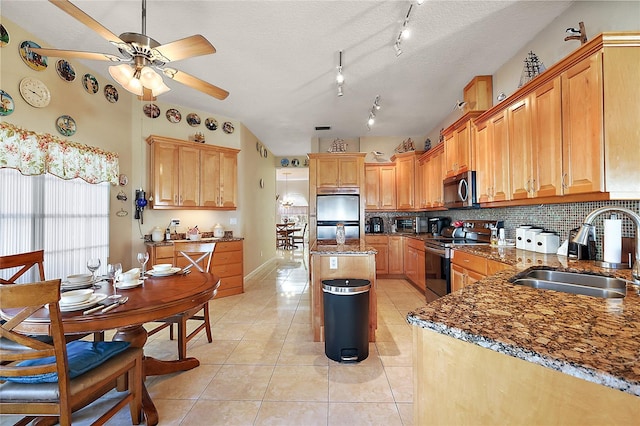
278,59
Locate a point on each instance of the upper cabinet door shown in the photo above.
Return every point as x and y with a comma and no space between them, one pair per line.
210,168
228,179
189,182
583,148
164,161
338,172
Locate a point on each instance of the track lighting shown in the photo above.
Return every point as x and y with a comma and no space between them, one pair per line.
372,112
404,32
340,76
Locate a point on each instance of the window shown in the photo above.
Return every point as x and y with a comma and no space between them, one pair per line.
69,219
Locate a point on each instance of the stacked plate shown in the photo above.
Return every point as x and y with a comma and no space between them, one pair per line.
92,300
77,281
163,272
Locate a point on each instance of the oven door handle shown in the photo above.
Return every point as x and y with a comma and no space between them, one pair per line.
433,250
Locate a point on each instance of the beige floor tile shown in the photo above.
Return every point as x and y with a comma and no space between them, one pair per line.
300,333
278,413
256,352
401,381
391,316
171,411
303,353
365,414
239,382
348,383
395,354
226,413
267,331
406,413
216,352
298,383
184,385
229,331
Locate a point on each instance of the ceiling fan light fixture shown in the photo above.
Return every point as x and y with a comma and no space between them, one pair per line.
122,74
150,79
134,86
162,88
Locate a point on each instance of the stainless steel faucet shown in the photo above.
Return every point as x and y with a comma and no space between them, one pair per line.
583,234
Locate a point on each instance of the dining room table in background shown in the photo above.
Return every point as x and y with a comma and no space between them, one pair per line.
157,298
284,235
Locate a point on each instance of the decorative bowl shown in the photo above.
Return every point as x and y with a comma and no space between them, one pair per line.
195,237
79,278
75,296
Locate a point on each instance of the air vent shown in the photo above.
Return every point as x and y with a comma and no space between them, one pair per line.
323,127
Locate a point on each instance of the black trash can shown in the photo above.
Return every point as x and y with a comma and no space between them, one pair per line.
346,319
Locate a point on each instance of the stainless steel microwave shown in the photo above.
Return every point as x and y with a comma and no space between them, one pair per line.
460,191
411,224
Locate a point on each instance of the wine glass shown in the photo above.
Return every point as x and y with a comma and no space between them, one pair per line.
114,270
143,258
92,265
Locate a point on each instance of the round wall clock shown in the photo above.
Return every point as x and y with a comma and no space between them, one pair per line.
32,59
6,103
65,70
35,92
66,125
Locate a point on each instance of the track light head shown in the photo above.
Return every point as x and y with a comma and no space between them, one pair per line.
397,49
340,93
340,76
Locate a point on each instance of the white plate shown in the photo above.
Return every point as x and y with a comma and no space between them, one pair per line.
164,273
128,284
66,285
95,299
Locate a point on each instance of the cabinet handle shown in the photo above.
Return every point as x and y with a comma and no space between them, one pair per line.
175,199
564,183
180,199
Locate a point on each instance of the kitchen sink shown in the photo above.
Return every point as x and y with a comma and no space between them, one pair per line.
574,283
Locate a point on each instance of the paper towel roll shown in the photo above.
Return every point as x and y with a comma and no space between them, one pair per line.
612,240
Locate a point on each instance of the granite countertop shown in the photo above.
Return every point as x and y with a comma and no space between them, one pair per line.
354,247
586,337
207,240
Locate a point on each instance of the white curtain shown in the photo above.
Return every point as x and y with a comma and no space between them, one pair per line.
69,219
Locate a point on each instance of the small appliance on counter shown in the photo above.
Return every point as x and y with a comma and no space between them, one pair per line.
411,224
437,224
579,251
377,225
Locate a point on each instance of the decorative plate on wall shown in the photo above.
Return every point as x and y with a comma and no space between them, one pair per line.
173,115
66,125
151,110
4,36
65,70
211,123
295,162
227,127
111,93
284,162
193,119
90,83
32,59
6,103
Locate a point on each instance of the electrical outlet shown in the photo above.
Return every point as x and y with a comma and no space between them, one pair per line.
333,262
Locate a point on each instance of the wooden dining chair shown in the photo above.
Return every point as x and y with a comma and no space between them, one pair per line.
299,239
198,256
57,379
24,261
282,235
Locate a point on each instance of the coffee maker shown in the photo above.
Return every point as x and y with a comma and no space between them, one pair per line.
377,225
579,251
437,224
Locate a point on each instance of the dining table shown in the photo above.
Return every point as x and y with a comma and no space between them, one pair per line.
286,230
156,298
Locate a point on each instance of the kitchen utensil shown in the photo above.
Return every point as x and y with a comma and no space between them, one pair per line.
121,301
100,306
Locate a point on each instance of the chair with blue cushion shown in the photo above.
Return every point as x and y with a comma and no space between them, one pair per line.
57,379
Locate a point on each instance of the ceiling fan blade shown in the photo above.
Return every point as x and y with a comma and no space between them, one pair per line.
196,83
87,20
188,47
58,53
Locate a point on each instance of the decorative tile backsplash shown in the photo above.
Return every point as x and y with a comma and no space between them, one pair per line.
559,218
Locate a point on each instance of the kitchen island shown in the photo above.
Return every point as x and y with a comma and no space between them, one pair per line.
498,353
354,260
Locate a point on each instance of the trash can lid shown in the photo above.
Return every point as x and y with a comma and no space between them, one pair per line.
346,286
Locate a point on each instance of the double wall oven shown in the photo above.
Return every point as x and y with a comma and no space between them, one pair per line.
438,253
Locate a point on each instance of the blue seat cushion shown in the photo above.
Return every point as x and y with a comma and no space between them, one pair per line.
82,356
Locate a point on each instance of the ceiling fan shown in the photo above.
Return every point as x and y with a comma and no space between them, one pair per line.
141,57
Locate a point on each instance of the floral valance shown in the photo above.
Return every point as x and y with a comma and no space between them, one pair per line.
38,153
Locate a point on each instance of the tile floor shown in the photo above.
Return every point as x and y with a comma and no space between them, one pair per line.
263,367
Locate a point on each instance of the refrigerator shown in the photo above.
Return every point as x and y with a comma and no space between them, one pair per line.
338,208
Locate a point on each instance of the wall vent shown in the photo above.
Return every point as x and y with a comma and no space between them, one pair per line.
323,127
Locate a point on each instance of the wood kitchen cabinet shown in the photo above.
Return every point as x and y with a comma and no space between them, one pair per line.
457,145
492,158
381,244
414,262
406,166
188,175
339,170
380,186
396,255
432,176
227,263
467,268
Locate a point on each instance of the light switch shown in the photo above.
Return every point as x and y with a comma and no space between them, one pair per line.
333,262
